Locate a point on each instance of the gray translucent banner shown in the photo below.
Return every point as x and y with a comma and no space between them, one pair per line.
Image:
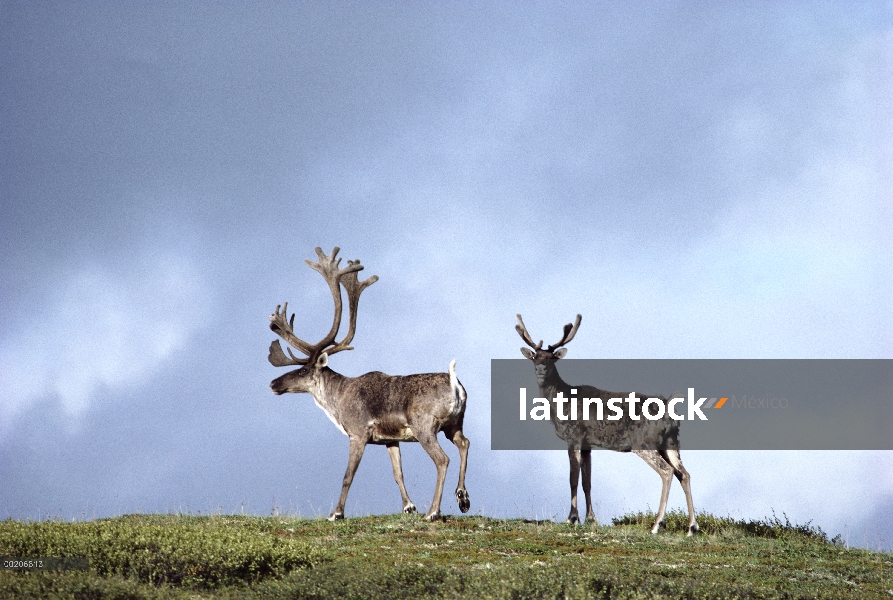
769,405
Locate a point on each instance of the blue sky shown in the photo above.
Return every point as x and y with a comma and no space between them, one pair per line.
699,181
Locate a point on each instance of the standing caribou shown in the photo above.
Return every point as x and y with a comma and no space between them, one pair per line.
655,442
373,408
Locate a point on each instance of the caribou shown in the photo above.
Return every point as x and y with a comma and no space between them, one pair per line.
374,408
655,442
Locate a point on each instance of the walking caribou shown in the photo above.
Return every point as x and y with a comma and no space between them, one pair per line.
655,442
374,408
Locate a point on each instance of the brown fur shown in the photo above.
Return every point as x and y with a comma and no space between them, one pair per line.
376,408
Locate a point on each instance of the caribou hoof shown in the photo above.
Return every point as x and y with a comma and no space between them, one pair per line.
409,509
435,516
573,518
658,526
463,500
335,516
693,530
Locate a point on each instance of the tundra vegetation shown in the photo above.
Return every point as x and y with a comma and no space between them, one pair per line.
404,556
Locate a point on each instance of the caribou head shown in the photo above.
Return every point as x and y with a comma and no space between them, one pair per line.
306,379
544,360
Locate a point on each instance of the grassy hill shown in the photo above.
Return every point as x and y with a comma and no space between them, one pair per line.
402,556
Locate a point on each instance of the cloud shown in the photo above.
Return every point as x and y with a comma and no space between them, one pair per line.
100,330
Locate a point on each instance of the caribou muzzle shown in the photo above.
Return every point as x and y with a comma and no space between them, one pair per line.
278,387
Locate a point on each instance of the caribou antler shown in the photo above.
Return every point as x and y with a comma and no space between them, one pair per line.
354,287
569,332
283,328
327,266
522,331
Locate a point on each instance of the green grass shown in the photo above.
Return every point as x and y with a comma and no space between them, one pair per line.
402,556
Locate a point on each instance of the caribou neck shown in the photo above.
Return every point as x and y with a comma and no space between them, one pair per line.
553,384
328,388
327,394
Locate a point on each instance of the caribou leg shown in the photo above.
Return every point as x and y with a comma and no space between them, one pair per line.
357,446
575,458
397,465
663,468
429,442
586,469
684,478
461,442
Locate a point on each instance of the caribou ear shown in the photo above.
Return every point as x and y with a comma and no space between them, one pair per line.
527,353
322,361
560,352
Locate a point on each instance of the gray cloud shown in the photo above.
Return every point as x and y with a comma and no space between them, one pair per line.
100,331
